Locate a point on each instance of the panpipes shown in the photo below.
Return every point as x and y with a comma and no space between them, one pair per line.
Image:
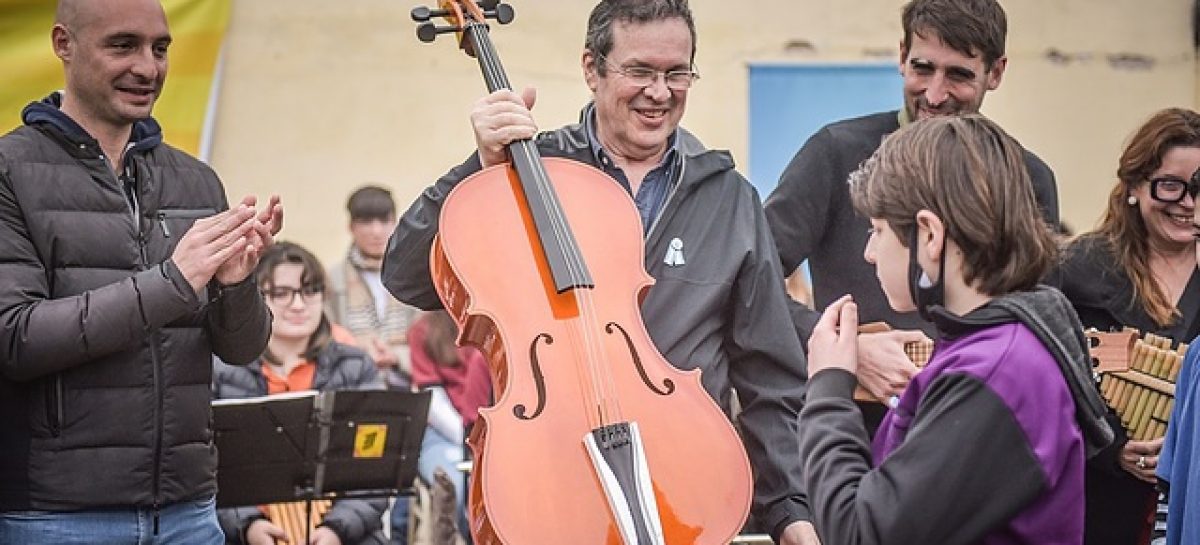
290,516
1138,379
919,352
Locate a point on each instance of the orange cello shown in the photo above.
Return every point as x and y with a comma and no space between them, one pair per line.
594,438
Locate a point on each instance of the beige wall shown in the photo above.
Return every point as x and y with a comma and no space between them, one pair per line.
319,97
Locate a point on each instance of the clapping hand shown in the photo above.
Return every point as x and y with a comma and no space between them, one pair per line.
261,236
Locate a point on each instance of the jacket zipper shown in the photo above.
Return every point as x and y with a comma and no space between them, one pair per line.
158,425
670,197
54,405
155,358
163,215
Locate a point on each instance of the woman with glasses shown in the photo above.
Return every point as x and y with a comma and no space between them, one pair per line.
301,355
1138,269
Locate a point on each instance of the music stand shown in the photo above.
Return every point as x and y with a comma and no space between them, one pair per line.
309,445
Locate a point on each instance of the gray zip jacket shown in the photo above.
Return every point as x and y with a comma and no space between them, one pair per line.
723,311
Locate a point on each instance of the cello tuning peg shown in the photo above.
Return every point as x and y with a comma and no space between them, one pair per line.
421,14
427,32
502,13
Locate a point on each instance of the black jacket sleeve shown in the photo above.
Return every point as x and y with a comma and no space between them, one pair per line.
238,322
962,434
44,335
799,210
767,370
235,521
1045,188
41,335
406,263
353,520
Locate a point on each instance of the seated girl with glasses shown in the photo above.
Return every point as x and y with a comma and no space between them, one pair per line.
302,354
987,443
1138,269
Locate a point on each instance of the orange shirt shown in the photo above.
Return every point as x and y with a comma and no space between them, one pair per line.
342,335
300,378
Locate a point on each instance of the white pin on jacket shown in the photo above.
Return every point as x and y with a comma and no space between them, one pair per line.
674,257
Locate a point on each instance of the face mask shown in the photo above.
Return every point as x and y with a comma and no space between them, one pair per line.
925,293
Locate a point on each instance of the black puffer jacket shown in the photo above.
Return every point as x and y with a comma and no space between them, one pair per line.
339,367
106,354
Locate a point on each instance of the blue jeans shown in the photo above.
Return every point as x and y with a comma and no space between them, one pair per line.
189,523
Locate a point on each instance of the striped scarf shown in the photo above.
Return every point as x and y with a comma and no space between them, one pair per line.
353,306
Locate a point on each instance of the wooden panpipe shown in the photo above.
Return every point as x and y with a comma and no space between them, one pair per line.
1137,378
918,352
291,516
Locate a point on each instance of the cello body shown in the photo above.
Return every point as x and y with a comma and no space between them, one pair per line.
569,364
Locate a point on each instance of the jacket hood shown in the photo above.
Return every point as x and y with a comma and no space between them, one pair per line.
1048,313
146,134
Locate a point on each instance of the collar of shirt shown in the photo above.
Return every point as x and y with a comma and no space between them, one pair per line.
652,193
298,379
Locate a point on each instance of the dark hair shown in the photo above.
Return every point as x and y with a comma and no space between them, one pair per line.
971,27
1123,228
972,175
371,202
599,38
282,253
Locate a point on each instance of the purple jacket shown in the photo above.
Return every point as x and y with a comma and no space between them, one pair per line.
984,447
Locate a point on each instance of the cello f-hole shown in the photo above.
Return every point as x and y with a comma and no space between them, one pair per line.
668,384
539,380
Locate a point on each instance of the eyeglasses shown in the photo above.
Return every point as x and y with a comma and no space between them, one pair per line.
1172,190
284,296
642,76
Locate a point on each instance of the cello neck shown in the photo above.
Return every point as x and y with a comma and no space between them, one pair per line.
562,256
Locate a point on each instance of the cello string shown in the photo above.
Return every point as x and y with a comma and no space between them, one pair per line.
584,327
603,384
598,368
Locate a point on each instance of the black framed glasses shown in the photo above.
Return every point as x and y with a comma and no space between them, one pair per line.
643,76
1172,190
284,296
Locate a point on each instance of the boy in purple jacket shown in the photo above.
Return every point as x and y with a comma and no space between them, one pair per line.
987,444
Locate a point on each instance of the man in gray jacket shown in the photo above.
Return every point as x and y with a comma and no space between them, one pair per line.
718,303
122,270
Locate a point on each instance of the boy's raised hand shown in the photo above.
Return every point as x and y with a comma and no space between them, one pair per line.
834,340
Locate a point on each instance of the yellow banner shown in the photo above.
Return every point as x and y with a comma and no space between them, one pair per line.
30,71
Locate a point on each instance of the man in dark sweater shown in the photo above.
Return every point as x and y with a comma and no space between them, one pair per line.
951,55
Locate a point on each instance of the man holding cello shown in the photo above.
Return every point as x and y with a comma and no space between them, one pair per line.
718,302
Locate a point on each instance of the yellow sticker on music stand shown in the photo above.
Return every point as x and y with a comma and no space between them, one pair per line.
369,440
